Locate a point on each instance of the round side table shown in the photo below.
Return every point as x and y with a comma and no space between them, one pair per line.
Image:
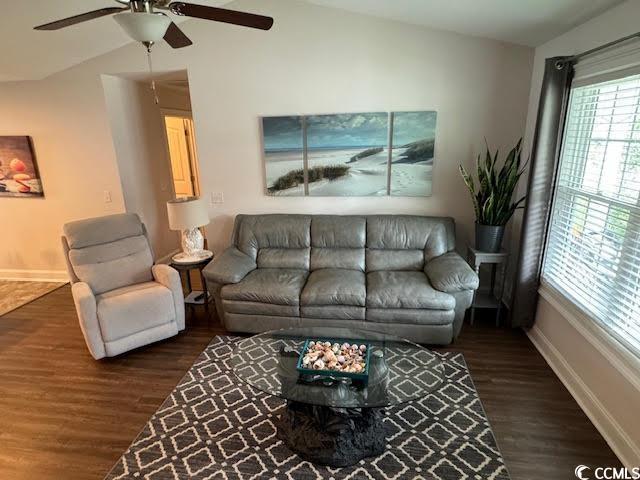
195,298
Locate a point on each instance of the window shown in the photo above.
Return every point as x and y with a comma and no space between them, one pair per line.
593,247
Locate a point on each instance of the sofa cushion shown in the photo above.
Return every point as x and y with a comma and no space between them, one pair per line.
332,286
253,232
128,310
337,231
338,242
268,285
391,289
378,259
410,316
338,312
406,232
258,308
293,258
403,242
344,258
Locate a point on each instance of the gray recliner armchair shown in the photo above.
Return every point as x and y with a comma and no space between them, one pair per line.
123,300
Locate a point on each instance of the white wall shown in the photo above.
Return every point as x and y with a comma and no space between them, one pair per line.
75,155
138,134
314,60
604,379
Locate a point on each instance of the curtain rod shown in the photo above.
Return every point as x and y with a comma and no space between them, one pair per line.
579,56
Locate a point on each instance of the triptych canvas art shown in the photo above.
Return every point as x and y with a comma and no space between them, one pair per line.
350,154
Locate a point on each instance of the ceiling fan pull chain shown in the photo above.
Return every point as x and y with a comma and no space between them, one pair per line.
153,82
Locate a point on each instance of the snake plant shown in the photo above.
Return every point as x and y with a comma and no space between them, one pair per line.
492,195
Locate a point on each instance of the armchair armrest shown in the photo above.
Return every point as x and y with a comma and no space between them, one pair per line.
230,267
450,273
170,278
87,310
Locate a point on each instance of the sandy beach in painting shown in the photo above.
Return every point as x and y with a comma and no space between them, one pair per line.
367,176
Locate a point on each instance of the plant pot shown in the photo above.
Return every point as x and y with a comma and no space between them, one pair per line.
489,237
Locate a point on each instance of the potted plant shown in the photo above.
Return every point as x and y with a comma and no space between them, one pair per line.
492,196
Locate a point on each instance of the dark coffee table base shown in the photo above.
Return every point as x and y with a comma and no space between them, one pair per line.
336,437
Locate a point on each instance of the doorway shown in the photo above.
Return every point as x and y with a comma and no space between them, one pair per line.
182,154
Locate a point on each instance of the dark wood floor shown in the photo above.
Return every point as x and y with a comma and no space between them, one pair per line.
65,416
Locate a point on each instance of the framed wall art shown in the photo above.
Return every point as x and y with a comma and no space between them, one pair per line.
349,154
19,176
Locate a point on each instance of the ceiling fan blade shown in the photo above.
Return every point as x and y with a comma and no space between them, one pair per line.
176,37
83,17
221,15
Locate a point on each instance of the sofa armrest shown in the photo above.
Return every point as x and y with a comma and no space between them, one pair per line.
170,278
87,310
230,267
450,273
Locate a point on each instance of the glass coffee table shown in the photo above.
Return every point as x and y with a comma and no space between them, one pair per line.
336,421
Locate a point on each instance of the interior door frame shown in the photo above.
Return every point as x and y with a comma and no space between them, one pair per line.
191,145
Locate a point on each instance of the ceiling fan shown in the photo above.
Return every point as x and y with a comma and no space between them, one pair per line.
146,21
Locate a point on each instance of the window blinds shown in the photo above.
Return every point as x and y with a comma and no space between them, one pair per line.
592,254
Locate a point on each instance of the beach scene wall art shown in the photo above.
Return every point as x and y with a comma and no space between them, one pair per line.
283,155
19,175
350,154
414,138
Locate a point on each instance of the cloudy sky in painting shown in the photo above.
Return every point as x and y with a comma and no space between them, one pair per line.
282,133
347,130
409,127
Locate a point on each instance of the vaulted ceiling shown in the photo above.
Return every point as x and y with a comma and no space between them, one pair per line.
30,55
524,22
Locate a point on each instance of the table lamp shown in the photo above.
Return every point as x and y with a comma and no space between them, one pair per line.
187,215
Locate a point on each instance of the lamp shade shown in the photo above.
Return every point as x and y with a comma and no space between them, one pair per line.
187,213
142,26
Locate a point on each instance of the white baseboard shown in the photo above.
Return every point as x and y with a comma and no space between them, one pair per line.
34,275
622,445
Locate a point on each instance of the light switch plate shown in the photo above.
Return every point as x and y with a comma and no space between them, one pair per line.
217,198
107,196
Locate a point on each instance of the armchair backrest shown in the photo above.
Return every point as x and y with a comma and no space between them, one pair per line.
108,252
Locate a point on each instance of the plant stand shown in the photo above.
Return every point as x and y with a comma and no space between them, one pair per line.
488,300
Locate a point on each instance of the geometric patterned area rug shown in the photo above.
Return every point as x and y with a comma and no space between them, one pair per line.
213,426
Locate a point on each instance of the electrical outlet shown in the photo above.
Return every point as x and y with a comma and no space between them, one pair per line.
217,198
107,196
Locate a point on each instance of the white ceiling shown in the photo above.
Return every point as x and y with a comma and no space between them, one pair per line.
525,22
30,55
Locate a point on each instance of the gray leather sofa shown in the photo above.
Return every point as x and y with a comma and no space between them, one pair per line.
391,273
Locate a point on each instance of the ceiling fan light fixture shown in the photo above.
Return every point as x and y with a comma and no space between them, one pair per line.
142,26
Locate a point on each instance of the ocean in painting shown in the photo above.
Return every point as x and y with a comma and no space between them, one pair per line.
282,139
